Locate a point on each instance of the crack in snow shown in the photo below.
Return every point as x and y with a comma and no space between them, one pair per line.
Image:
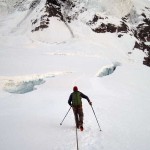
108,69
25,84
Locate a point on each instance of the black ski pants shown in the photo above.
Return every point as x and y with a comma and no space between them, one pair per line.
78,114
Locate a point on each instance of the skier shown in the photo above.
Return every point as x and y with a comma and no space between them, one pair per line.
76,103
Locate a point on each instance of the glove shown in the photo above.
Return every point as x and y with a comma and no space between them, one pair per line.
90,103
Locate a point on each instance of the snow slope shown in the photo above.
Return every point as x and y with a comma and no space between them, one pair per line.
37,76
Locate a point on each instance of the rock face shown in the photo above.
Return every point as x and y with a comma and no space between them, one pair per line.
141,32
52,9
64,10
107,27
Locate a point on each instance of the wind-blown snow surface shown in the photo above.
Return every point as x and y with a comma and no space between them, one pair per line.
36,79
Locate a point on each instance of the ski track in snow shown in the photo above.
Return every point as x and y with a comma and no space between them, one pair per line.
72,54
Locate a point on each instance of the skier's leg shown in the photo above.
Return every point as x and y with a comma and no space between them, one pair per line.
80,111
75,111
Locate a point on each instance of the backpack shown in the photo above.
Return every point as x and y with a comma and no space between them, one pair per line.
76,98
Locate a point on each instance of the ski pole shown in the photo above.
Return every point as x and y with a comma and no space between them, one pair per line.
65,116
96,118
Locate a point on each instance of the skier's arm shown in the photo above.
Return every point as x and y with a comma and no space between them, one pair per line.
86,97
70,100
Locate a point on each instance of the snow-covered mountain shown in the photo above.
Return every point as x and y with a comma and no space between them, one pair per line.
48,19
48,46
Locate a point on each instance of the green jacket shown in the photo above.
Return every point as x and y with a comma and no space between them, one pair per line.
75,98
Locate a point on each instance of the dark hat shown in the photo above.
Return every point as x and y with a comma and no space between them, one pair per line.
75,88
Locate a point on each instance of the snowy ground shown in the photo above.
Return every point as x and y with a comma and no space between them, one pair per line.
37,77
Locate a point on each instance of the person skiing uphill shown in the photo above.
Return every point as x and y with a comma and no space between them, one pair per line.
76,103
